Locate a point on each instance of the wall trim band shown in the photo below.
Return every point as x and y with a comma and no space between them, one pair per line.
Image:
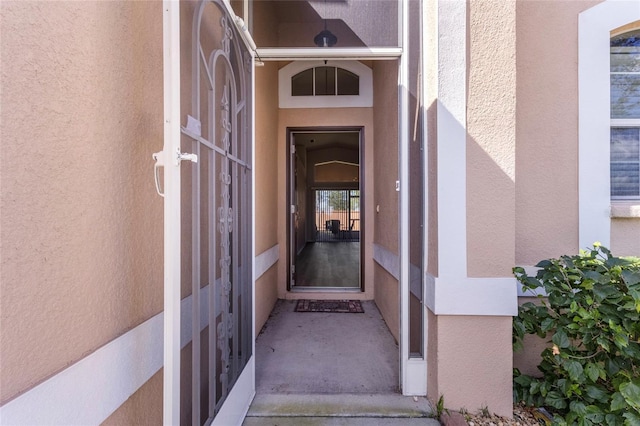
460,296
265,260
115,371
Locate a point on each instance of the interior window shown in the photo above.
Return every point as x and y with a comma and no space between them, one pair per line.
302,83
348,83
625,115
321,81
325,81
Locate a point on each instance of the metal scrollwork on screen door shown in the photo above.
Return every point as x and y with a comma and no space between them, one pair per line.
221,205
225,215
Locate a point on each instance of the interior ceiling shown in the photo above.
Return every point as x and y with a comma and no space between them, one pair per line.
358,23
313,140
309,10
295,11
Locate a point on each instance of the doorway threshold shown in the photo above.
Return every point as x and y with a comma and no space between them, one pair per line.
318,289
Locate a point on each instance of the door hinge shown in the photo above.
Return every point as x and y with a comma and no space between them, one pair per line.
293,149
397,186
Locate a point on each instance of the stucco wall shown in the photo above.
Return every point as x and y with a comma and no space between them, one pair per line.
491,141
297,23
473,363
547,132
144,406
81,223
266,167
266,297
266,187
432,356
547,129
431,134
266,190
385,163
386,299
625,237
263,31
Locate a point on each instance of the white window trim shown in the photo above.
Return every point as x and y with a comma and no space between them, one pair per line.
594,29
363,100
623,122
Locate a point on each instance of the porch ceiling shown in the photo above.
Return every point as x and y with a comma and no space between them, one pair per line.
314,141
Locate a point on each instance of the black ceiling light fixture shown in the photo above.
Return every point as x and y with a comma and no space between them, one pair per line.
325,38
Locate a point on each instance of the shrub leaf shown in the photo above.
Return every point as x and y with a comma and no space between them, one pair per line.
574,368
555,400
591,374
561,339
618,402
631,393
592,371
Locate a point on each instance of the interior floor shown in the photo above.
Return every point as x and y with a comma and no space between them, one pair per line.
324,264
326,353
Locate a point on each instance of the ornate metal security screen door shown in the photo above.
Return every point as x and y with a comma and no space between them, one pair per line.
217,369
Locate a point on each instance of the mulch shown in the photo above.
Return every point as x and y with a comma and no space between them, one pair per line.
522,416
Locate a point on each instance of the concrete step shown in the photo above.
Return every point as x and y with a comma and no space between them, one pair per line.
339,421
327,406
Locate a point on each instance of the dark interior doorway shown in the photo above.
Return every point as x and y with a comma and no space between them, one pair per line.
325,223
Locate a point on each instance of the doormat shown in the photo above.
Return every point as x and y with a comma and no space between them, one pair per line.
336,306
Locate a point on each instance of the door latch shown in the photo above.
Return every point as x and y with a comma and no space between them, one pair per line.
158,157
185,157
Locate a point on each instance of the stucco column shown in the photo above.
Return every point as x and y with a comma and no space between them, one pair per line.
472,296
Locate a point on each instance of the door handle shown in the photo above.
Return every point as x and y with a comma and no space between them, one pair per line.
158,158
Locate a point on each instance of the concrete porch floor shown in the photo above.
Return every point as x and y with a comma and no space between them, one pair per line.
330,369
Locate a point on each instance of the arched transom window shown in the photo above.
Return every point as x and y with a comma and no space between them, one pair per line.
325,81
325,84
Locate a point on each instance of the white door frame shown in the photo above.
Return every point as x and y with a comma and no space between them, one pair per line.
172,219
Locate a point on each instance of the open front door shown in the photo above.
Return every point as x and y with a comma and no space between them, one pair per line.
209,237
293,212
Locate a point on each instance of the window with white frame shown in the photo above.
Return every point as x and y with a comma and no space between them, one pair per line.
597,25
325,84
323,81
625,115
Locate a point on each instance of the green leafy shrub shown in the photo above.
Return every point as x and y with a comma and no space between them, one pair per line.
591,369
